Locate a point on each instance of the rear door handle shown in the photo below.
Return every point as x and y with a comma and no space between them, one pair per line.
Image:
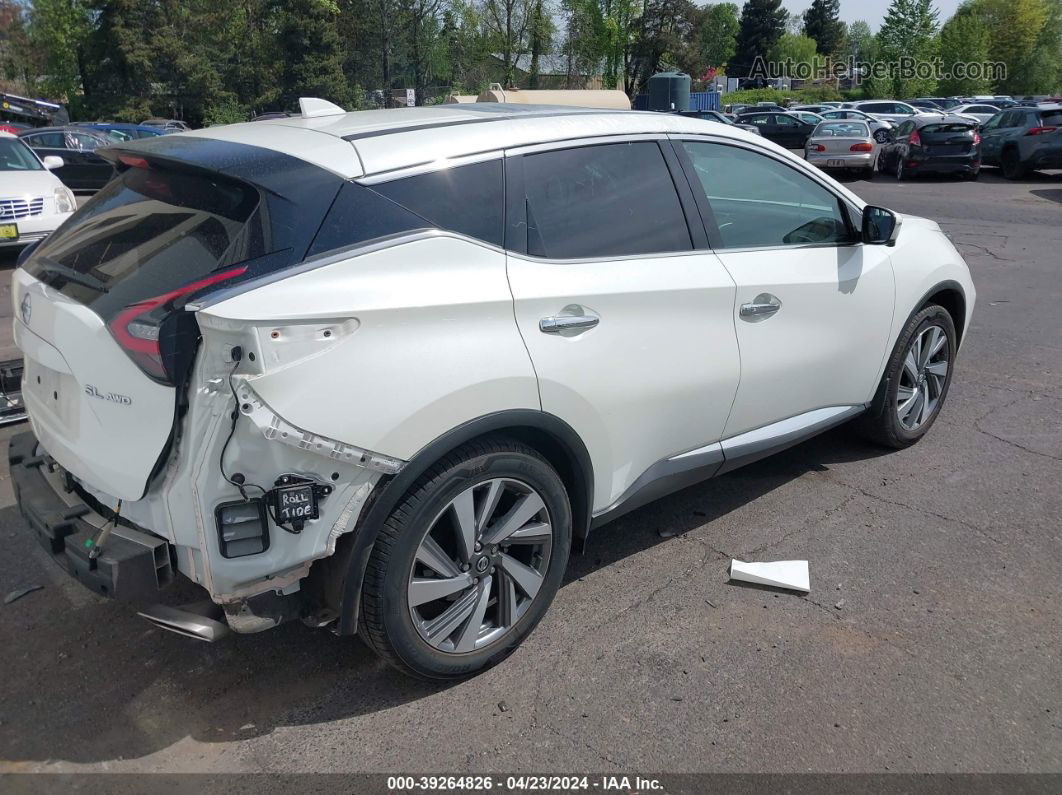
760,308
557,323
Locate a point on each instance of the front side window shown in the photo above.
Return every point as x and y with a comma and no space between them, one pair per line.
783,120
757,201
610,200
16,156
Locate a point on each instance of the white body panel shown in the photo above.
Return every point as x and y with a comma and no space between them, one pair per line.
826,345
421,340
93,410
654,378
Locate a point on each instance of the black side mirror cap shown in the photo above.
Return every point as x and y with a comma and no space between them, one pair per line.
881,227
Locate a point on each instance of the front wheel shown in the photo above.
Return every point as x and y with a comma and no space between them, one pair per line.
1012,165
899,169
469,561
916,380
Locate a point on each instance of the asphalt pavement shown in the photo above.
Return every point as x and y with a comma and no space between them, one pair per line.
929,641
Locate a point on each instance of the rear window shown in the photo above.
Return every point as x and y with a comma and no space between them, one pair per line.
146,233
950,127
842,129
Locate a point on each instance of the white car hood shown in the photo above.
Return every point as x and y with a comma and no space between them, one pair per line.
28,183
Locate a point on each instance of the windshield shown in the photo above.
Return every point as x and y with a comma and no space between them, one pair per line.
16,156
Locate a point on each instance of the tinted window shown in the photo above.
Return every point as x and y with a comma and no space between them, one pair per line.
761,118
602,201
758,201
466,199
877,107
1050,118
992,123
86,143
53,140
146,233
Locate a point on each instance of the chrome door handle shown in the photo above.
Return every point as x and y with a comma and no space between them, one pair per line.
760,308
558,323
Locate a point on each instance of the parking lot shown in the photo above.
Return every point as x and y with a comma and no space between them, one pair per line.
929,641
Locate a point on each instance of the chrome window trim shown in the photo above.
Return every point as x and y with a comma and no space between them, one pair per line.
578,143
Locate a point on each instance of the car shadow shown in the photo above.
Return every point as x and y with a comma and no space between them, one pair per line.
87,680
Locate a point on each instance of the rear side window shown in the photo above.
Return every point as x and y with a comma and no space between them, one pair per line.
1051,118
146,233
466,199
611,200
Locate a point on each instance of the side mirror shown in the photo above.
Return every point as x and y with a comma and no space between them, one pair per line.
881,227
52,162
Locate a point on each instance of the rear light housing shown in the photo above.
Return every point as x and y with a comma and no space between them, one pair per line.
1040,130
863,147
977,138
142,328
915,139
817,148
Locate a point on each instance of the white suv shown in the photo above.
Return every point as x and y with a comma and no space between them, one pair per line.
379,371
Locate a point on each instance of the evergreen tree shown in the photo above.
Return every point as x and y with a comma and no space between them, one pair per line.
762,25
908,32
822,23
311,54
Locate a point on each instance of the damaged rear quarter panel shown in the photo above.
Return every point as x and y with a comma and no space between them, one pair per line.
389,349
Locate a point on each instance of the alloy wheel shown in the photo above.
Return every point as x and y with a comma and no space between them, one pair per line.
480,565
923,377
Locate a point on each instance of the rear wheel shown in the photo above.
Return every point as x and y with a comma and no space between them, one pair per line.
899,169
469,561
916,380
1013,168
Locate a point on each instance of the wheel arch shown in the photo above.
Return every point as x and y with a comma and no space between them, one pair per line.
338,583
952,297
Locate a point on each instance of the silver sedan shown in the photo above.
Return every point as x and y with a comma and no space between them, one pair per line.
841,144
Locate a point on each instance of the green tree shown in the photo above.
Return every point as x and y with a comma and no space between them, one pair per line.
964,39
792,51
59,31
19,61
1015,27
509,23
762,25
908,32
719,33
311,53
823,24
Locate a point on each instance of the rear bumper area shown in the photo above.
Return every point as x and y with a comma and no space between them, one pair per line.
133,566
945,165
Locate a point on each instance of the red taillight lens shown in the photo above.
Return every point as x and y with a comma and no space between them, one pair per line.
1041,130
915,139
818,148
133,161
861,148
136,328
977,138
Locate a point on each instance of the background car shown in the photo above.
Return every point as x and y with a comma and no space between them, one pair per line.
978,111
1022,138
33,202
784,129
125,132
167,125
82,168
810,108
806,115
722,118
842,144
933,144
878,127
944,103
887,109
925,104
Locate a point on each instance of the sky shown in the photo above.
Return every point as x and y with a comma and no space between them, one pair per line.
870,11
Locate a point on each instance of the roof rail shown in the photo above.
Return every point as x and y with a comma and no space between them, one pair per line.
312,107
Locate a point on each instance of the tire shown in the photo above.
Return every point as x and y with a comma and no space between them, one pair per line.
1012,166
868,173
883,423
417,637
899,169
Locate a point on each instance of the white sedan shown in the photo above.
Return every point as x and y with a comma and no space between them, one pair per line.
978,112
33,202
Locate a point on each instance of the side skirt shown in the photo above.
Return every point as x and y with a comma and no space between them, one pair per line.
679,471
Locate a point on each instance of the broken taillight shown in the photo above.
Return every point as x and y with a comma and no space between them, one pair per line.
138,327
